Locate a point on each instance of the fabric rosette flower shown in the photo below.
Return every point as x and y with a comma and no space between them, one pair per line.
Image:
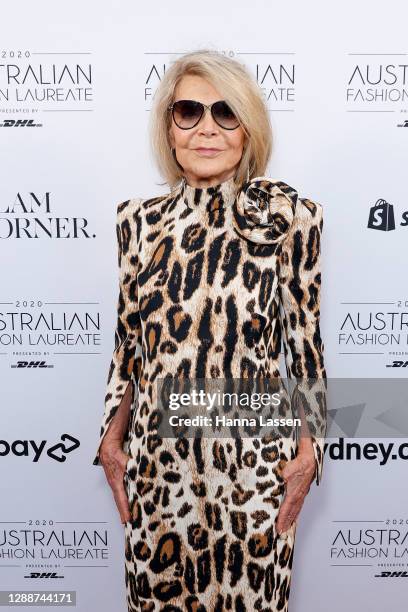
264,210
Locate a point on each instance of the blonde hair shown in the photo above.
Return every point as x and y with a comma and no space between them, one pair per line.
238,88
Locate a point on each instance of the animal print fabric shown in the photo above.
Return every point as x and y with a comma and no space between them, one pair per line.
211,280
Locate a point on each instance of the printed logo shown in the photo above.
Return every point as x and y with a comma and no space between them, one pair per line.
397,364
44,575
33,331
33,215
19,123
372,544
391,575
31,364
43,82
275,75
375,84
30,448
382,217
41,545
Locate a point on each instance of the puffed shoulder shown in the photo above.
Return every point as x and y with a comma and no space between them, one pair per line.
128,224
266,209
129,207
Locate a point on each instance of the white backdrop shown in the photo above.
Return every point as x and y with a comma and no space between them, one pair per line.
334,76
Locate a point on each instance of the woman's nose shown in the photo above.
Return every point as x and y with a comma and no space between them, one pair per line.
207,122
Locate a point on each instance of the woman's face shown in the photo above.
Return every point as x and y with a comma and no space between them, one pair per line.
201,168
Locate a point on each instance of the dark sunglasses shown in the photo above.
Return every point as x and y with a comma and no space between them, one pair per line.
187,113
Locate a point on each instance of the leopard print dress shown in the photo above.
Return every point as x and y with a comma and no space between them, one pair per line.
210,281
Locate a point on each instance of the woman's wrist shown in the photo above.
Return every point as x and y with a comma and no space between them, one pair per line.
111,445
305,445
113,437
306,451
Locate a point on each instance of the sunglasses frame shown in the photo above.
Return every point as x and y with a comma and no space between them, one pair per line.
204,107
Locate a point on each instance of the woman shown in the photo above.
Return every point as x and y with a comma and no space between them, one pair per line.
211,274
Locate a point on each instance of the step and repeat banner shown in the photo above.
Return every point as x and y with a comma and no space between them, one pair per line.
76,87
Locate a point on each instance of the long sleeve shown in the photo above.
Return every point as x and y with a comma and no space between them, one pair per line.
299,269
127,356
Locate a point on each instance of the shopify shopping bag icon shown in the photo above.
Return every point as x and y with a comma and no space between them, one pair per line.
381,216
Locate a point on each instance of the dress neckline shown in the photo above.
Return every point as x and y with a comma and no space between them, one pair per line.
208,198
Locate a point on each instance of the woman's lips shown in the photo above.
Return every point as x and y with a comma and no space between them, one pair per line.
207,152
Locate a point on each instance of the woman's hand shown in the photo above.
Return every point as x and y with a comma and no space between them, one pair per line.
112,456
298,475
114,461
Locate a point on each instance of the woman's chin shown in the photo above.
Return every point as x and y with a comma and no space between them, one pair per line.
207,170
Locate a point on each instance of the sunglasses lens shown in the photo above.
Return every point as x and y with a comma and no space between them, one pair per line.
224,115
186,113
